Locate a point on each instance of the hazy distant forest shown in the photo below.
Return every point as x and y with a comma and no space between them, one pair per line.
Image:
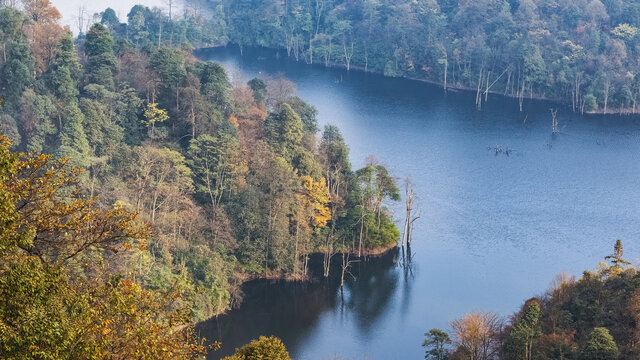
584,53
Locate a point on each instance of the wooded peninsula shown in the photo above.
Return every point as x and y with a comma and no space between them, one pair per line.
167,186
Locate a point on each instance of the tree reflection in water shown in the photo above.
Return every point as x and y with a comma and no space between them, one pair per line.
290,310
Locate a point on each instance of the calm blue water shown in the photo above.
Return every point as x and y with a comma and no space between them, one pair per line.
494,230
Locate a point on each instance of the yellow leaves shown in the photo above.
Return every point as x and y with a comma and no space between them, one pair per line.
152,115
234,121
625,31
314,200
55,225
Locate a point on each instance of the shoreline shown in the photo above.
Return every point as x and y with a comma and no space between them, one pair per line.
246,278
451,87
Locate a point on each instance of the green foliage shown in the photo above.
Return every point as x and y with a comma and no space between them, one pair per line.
284,131
101,61
616,258
524,332
9,128
214,84
435,343
73,141
65,71
599,346
109,18
559,49
169,63
227,186
259,88
270,348
308,114
16,75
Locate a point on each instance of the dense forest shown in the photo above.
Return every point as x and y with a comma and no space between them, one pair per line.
583,53
166,183
595,317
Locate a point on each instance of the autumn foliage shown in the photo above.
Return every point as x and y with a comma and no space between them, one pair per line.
58,297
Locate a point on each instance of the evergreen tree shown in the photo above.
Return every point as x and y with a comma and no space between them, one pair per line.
435,342
284,131
616,259
599,346
519,343
73,141
16,75
109,19
259,88
214,84
101,60
65,71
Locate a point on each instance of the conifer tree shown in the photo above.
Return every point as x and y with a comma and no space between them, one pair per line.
73,141
102,62
16,75
616,259
599,346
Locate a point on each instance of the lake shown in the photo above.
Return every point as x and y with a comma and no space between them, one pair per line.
494,229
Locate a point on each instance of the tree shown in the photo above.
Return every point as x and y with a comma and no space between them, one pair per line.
73,141
264,348
435,343
214,84
284,131
216,167
44,32
616,258
101,60
524,332
599,346
259,88
153,115
476,335
109,19
65,71
16,75
46,299
9,127
10,27
169,64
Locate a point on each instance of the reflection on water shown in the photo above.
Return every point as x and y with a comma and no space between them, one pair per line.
505,205
290,310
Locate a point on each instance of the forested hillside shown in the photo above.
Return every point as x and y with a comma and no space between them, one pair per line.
233,180
584,53
594,317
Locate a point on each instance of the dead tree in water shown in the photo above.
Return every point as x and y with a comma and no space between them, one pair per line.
410,197
554,120
346,265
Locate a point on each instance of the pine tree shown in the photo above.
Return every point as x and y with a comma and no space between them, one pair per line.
435,342
102,62
73,141
65,71
599,346
16,75
285,131
616,258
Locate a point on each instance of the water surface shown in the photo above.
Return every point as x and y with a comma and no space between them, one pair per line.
494,229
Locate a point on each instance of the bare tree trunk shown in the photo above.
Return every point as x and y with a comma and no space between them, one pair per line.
607,86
